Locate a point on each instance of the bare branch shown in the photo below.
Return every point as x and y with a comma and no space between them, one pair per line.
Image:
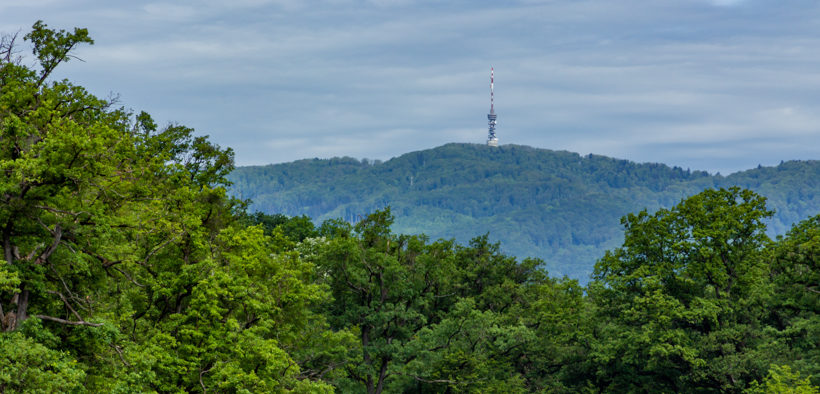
58,234
158,248
319,375
7,49
119,352
201,383
65,301
30,255
127,277
106,263
448,381
48,68
55,210
60,277
69,322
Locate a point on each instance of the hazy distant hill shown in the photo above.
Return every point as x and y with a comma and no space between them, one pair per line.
556,205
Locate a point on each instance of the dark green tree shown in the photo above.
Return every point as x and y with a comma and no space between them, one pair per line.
680,304
296,228
795,301
431,317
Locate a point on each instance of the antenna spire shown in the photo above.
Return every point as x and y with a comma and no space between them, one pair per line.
492,78
492,140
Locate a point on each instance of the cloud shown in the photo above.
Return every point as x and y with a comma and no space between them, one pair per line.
170,12
689,83
727,3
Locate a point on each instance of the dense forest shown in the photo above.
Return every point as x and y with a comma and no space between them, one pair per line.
559,206
129,268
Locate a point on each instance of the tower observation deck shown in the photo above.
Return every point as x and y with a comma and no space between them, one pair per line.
492,140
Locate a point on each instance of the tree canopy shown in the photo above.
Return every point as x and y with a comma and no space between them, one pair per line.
125,264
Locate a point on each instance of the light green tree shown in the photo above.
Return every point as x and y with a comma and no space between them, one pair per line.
125,267
782,380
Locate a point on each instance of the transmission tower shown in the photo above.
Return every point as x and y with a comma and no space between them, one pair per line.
492,140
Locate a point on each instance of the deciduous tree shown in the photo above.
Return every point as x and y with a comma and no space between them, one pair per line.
680,303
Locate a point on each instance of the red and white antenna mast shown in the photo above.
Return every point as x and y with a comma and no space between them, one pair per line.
492,140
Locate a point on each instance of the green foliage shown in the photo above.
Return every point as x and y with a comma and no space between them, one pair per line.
125,266
431,317
559,206
53,47
795,298
26,366
128,268
781,380
297,228
681,298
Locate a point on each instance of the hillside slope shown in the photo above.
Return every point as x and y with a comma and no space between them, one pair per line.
559,206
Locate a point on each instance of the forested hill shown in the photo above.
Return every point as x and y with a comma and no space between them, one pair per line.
556,205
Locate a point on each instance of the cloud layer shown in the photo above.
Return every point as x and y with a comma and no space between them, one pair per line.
718,85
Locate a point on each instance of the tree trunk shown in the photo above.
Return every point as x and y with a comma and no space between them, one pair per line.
9,255
22,307
382,373
366,356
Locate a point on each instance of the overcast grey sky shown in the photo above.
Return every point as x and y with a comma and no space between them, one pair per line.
716,85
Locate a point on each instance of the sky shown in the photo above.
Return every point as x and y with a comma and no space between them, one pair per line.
715,85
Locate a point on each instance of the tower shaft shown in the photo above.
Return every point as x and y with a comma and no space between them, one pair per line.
492,140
